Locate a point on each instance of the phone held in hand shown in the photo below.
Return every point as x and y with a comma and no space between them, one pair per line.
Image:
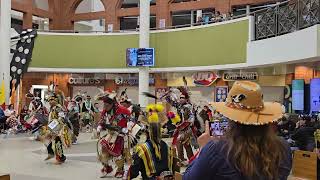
218,128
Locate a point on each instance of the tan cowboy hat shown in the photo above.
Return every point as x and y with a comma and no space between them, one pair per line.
245,105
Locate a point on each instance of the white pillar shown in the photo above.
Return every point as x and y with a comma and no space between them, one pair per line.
144,43
5,27
192,17
248,10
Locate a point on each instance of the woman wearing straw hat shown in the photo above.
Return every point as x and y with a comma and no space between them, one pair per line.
250,149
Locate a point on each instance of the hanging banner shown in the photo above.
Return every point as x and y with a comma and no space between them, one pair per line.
162,23
2,93
287,101
110,27
204,78
221,93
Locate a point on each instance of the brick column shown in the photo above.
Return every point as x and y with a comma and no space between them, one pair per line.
111,18
27,20
61,19
111,14
163,12
27,16
223,6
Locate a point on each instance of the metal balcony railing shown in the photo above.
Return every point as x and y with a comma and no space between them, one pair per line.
286,17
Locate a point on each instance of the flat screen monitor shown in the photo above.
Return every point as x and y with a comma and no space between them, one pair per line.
315,95
137,57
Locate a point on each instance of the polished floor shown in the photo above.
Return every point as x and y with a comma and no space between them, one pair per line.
22,158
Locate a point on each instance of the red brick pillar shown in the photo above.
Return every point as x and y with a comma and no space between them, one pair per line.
27,20
61,15
163,13
223,6
111,14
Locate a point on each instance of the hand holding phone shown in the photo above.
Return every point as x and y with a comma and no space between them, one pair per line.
217,128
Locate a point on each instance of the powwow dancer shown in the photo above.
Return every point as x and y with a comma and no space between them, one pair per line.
73,116
154,158
56,125
114,145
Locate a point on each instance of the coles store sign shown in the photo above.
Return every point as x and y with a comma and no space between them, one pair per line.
204,78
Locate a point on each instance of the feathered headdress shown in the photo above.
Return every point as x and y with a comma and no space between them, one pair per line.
78,97
174,117
156,118
153,111
29,95
124,97
106,96
184,89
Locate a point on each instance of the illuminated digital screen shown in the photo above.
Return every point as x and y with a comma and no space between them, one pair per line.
315,94
298,94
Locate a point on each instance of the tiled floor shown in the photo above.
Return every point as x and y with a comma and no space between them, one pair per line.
22,158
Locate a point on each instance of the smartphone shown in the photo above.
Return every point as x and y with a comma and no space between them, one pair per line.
218,128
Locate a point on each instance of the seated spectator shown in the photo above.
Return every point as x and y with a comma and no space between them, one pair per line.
213,19
199,21
2,120
12,121
230,16
304,134
286,127
206,20
23,116
250,148
218,16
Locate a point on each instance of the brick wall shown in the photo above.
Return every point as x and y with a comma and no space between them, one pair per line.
62,13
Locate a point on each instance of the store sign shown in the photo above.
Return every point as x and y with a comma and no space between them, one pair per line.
240,76
204,78
89,81
130,81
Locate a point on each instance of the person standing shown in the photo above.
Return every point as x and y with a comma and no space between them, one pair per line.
114,145
87,113
56,124
160,165
185,133
250,148
73,116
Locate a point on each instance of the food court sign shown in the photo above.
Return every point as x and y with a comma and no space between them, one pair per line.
240,76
